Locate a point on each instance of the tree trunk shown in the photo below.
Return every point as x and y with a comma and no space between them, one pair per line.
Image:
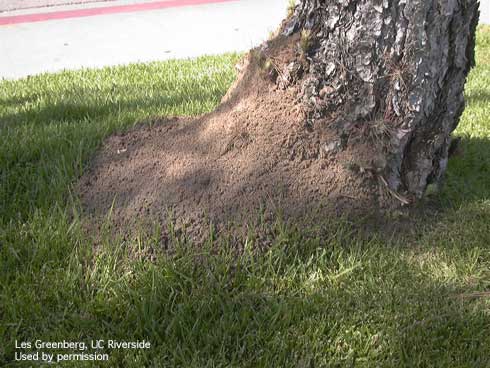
394,68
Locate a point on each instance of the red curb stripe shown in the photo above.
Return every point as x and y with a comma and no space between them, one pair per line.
78,13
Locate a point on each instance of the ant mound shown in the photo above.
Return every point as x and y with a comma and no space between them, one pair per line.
255,152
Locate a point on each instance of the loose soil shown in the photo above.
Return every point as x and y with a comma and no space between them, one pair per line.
254,154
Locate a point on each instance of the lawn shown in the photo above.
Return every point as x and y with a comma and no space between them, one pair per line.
421,299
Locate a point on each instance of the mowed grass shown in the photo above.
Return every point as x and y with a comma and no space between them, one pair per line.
340,300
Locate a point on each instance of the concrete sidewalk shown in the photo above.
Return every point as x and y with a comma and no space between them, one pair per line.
180,32
9,5
485,11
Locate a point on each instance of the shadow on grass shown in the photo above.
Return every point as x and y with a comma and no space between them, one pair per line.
478,97
468,173
70,112
303,302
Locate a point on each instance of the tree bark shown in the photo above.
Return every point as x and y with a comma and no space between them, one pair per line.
395,68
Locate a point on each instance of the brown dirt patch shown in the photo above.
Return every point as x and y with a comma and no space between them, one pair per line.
254,152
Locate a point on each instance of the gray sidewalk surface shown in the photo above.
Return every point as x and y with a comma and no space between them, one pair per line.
485,11
9,5
183,32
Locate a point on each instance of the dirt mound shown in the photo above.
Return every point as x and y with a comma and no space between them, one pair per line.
256,151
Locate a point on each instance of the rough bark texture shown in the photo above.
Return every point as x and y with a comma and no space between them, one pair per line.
396,68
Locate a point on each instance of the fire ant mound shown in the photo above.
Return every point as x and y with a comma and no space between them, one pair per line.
256,151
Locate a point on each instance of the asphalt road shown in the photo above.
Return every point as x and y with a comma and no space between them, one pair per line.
29,48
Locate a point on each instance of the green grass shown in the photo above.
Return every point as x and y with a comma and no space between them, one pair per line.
341,300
